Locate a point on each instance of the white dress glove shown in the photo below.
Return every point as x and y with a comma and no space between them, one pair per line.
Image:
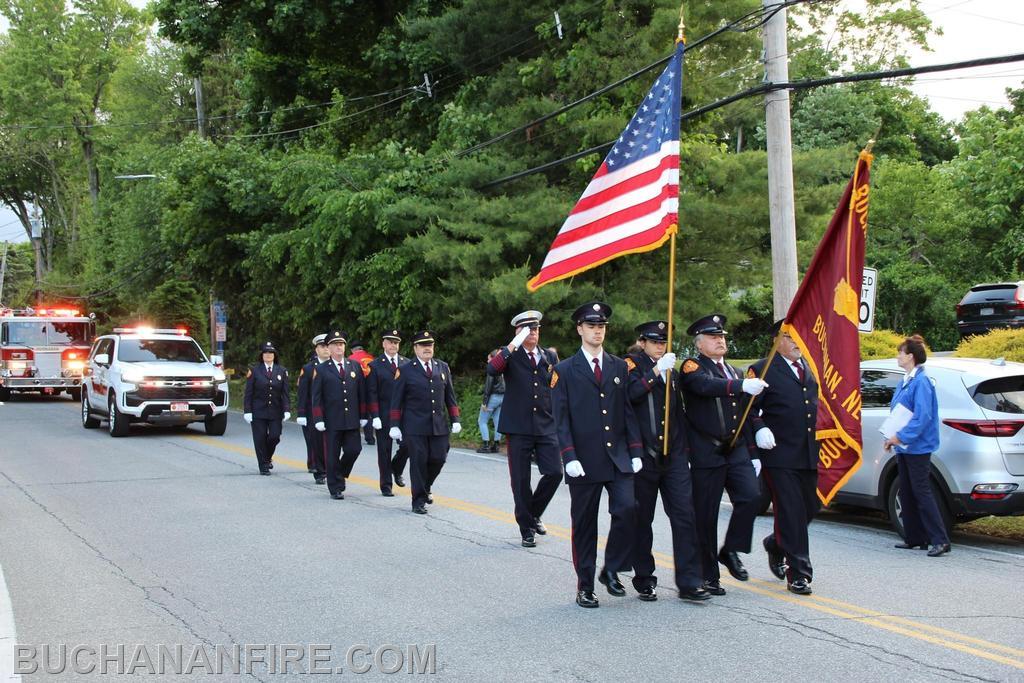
573,468
377,423
765,439
637,465
247,417
395,433
456,427
362,423
754,386
667,362
517,341
301,421
287,416
320,427
757,467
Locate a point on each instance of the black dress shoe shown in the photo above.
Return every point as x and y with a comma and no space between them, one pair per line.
320,480
800,587
338,496
430,499
529,541
265,473
647,594
539,527
611,581
399,480
694,594
910,546
732,562
586,599
714,587
938,549
387,493
420,510
776,561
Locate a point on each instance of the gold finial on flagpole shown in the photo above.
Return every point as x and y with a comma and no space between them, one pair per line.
868,147
681,38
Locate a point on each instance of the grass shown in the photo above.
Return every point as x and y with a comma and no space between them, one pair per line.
1000,527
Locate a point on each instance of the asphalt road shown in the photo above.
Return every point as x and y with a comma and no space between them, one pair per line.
169,538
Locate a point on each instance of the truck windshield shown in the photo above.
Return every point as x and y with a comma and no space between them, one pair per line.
45,333
150,350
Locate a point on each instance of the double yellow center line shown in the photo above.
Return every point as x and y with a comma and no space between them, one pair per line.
952,640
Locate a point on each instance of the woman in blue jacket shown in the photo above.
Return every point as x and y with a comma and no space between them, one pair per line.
914,444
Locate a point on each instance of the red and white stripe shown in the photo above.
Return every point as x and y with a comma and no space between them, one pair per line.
621,211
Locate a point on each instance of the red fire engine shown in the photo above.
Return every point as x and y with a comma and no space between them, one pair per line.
44,350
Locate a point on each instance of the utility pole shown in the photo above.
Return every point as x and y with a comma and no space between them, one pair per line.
37,243
3,271
200,107
780,162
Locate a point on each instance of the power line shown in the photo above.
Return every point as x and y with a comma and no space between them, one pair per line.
767,87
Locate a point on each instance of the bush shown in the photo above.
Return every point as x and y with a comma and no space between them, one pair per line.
1008,344
881,343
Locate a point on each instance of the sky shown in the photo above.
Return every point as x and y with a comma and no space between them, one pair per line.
971,29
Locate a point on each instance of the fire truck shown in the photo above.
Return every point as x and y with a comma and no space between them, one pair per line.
44,350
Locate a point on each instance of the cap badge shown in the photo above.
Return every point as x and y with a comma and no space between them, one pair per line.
597,307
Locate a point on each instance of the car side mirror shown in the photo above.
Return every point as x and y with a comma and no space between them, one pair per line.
102,359
217,360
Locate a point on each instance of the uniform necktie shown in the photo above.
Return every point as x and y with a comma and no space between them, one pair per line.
268,370
597,371
721,369
394,366
534,359
430,371
799,371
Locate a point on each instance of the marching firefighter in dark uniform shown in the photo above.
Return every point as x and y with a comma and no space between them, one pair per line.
784,418
601,446
527,422
713,390
315,463
266,405
422,402
339,411
667,474
381,384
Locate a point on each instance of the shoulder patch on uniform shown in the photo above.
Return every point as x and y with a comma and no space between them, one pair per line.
248,374
690,365
751,374
630,364
554,378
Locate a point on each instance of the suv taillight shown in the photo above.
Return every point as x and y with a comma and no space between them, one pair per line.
986,427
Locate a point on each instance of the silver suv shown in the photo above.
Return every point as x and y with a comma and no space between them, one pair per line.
979,467
156,376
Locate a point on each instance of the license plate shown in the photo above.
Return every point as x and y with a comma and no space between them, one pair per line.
179,407
987,311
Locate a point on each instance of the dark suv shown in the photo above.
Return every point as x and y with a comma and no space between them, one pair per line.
987,307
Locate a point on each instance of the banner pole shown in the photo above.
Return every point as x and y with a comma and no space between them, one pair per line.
671,302
750,403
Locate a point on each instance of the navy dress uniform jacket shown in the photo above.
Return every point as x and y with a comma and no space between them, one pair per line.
647,393
789,408
381,386
304,392
714,406
267,398
339,399
422,405
527,406
596,424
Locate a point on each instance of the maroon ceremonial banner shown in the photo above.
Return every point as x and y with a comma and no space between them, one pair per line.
823,321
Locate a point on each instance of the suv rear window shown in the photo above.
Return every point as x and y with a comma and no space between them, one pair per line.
149,350
1002,394
979,295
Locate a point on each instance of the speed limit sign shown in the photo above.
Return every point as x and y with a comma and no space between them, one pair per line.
867,300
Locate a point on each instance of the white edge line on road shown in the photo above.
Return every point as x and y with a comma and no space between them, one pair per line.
8,634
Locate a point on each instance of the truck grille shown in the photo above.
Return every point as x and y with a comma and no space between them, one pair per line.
176,389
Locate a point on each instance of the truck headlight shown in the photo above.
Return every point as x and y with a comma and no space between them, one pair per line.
219,377
132,377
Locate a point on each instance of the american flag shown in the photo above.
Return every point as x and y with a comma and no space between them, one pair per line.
632,203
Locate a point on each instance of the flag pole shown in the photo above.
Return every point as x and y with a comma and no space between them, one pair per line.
750,403
673,229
